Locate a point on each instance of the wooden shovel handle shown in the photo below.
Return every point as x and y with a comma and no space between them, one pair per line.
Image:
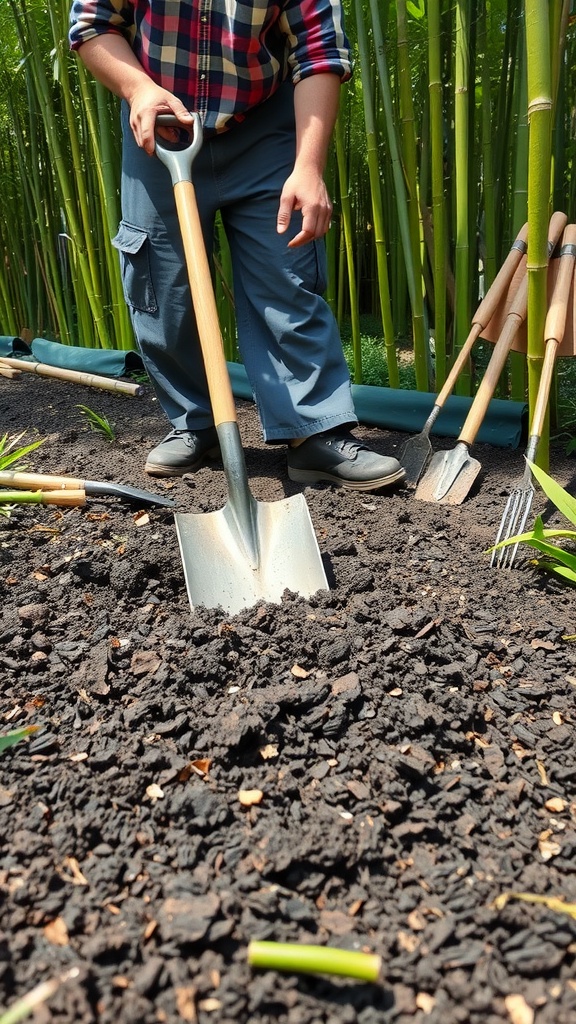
486,311
515,318
201,287
555,326
39,481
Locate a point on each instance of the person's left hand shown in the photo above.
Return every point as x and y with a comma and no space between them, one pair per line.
305,190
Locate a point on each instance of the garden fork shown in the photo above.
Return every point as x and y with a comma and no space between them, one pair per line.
520,498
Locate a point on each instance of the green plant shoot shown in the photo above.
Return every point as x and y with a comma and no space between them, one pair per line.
98,422
9,739
10,454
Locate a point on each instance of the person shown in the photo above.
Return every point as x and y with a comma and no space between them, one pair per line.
264,77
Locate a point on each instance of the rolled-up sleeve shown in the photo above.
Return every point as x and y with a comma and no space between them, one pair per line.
317,38
91,18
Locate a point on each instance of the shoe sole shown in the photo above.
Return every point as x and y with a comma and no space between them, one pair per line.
309,476
155,469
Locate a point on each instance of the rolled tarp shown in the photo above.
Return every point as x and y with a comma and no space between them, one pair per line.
504,425
107,362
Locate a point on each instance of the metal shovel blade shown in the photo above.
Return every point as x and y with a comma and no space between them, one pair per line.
221,571
449,477
415,455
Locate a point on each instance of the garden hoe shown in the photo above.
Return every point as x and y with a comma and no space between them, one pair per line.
418,449
248,551
520,498
92,488
450,475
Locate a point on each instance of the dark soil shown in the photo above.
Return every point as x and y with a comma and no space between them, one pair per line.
411,731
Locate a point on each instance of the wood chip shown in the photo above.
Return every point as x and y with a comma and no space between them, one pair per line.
250,797
56,932
518,1010
299,672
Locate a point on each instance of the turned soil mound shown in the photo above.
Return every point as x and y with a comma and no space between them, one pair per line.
411,731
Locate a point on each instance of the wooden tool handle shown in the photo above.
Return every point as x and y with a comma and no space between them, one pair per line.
514,319
485,312
219,386
495,293
555,326
66,498
39,481
8,371
558,309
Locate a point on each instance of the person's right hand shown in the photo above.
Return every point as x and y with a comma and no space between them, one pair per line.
147,101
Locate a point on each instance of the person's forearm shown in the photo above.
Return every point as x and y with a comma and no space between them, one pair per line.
111,60
109,57
316,100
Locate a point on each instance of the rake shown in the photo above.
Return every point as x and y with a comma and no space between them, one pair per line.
520,499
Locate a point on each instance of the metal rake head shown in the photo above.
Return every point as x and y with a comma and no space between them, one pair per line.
512,524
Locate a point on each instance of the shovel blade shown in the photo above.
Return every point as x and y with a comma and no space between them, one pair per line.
449,477
415,455
220,571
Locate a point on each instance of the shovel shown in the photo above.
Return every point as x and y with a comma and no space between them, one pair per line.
418,449
247,551
520,498
93,488
450,475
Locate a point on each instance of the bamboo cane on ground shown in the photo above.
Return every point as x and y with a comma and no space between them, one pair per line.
91,380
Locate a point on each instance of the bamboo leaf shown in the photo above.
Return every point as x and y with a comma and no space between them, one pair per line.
566,575
416,10
563,501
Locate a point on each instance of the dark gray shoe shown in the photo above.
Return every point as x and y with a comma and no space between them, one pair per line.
182,451
342,460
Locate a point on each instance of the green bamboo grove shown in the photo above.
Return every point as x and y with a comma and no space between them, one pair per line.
455,129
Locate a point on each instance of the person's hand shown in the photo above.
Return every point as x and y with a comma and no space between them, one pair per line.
146,103
305,190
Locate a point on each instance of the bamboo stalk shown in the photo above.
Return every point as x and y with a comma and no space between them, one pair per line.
408,140
437,182
462,150
376,200
539,72
348,237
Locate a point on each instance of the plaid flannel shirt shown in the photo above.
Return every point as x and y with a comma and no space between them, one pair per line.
222,57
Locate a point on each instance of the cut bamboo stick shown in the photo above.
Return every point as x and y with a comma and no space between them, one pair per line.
66,498
9,372
91,380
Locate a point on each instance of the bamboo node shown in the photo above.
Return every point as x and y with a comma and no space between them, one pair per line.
539,104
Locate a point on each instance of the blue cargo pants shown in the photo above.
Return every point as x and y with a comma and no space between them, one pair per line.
287,336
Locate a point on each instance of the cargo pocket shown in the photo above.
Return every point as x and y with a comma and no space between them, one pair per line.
134,248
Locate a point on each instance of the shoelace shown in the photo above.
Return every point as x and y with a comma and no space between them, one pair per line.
346,446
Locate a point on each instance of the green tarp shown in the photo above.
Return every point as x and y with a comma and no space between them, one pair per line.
504,426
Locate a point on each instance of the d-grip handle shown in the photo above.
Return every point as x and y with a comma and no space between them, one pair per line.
178,157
